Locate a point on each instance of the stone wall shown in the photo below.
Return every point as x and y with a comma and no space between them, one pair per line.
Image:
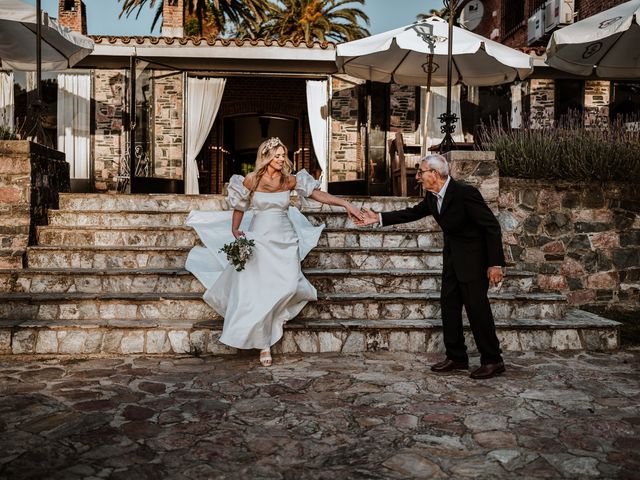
347,162
168,123
479,169
402,106
541,103
597,95
109,141
31,176
583,240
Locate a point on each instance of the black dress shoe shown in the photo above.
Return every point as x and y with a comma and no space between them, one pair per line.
447,365
488,370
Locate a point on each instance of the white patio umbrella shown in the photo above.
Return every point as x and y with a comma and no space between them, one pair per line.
401,56
61,47
607,42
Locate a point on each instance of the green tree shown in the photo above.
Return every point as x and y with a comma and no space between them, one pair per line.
208,17
309,20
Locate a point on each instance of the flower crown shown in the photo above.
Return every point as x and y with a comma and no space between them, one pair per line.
273,142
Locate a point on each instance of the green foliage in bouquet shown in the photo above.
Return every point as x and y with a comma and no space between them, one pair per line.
238,252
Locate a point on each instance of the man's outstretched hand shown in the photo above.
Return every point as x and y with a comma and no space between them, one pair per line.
368,218
495,275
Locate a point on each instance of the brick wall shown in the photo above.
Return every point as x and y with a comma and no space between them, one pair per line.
31,176
168,122
583,240
347,162
587,8
172,18
74,18
109,140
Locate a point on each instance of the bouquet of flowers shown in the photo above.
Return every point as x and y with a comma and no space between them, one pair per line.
238,252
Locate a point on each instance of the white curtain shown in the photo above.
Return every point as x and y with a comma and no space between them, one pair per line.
6,100
74,104
203,101
318,108
516,105
434,104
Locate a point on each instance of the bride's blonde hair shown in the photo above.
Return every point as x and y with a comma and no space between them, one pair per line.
266,152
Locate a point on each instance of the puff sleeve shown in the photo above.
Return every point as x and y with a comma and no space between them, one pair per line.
305,184
238,196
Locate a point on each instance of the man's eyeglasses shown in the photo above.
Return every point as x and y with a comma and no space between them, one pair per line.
421,172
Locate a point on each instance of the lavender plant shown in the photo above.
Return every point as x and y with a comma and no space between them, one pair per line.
570,150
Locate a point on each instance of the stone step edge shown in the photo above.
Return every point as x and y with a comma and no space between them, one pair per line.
60,212
323,297
309,337
574,319
100,248
318,272
124,228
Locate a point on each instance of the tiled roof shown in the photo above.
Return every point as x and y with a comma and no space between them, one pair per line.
197,41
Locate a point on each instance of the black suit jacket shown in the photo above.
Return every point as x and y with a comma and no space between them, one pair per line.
472,236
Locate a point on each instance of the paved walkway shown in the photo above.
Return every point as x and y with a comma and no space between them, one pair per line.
320,416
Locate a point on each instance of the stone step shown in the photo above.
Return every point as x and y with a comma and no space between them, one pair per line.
185,203
330,306
167,257
186,237
181,281
577,331
126,218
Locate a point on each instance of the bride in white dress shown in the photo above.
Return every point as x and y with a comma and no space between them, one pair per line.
257,301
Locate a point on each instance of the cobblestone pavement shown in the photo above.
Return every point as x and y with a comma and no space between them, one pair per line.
319,416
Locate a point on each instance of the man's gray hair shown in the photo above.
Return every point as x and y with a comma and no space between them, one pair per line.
437,163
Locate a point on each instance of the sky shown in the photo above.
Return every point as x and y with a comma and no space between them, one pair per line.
102,15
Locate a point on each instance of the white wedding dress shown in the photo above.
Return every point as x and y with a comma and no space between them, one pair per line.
257,301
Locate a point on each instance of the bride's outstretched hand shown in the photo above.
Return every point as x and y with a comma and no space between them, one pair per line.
237,233
354,213
367,217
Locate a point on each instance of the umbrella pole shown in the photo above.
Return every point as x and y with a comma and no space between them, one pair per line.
449,119
36,132
38,50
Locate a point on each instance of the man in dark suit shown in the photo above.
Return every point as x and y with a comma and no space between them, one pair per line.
472,259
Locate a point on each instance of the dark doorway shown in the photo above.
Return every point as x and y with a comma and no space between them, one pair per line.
253,109
244,134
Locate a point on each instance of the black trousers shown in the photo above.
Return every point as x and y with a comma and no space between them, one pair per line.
473,296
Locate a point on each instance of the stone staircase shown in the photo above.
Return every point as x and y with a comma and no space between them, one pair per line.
107,276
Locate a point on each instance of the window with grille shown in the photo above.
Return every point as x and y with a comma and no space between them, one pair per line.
535,5
512,15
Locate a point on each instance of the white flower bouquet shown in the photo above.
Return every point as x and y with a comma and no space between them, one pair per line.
238,252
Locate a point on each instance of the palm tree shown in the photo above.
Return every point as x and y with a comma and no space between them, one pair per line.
309,20
208,16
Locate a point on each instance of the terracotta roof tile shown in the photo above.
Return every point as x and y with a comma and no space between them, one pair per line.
197,41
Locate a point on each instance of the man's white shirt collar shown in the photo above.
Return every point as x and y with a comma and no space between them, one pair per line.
443,190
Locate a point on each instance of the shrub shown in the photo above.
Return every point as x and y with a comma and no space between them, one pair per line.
568,151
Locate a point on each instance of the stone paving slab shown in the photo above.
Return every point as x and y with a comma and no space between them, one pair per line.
319,416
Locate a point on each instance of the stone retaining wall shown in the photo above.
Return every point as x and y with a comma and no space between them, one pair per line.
31,176
583,240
